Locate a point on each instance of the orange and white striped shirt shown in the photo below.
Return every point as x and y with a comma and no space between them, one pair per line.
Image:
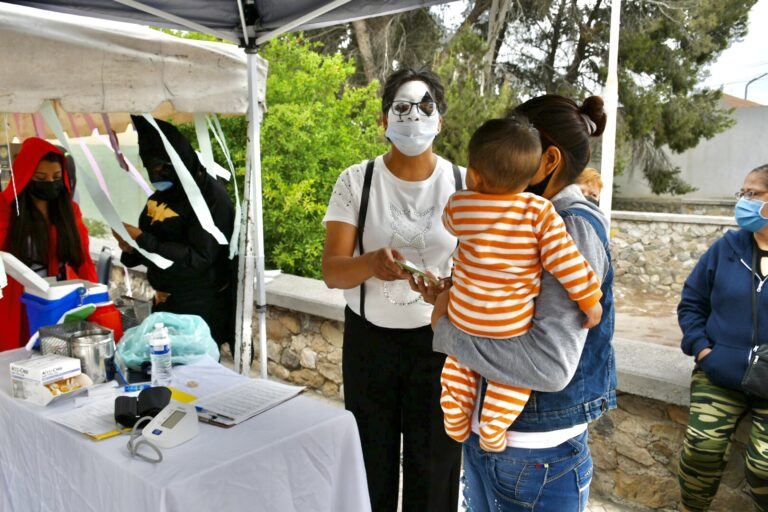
504,242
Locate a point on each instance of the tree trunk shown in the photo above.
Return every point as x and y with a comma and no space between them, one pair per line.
549,62
496,22
478,9
585,37
364,46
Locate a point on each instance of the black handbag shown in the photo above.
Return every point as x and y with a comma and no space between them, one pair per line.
755,381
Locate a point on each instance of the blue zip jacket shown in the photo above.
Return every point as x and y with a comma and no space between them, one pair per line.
715,308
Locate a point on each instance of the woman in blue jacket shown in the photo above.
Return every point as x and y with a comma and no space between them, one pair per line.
716,317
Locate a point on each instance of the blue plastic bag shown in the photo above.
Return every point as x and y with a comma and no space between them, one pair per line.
190,340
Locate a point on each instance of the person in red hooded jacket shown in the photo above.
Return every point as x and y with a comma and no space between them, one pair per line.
47,234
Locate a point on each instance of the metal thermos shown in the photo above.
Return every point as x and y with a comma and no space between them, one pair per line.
95,348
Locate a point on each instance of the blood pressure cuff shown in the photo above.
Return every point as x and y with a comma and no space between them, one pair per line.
150,402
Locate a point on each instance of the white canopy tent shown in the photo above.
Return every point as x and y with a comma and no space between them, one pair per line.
250,23
90,65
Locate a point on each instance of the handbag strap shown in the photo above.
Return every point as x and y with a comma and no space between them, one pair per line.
363,212
361,224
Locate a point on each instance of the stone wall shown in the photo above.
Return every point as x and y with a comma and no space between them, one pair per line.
719,207
636,448
656,252
304,349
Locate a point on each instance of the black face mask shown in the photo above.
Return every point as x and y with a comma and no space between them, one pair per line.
46,190
592,200
165,173
541,186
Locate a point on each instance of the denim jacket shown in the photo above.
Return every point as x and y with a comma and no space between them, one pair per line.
592,391
574,370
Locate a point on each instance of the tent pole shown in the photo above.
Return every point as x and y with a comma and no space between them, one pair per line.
301,20
191,25
611,97
251,264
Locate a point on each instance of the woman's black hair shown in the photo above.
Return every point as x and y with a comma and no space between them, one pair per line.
401,76
28,234
564,124
763,171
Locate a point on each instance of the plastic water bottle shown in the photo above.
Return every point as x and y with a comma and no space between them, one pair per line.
160,355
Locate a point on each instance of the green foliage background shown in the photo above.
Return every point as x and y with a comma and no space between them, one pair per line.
316,125
459,68
324,112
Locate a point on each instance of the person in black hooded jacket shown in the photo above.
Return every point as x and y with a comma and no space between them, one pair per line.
201,279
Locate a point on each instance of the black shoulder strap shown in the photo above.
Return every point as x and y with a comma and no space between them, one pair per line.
457,177
361,214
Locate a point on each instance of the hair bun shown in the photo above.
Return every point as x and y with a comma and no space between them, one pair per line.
592,109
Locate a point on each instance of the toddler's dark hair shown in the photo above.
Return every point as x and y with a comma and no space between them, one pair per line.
505,152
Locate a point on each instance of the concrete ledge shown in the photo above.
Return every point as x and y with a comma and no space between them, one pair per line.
673,217
653,371
306,295
719,201
644,369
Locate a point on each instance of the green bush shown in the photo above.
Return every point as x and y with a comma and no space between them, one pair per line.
316,126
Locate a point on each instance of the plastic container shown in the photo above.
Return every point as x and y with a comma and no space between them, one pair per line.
43,311
108,316
160,356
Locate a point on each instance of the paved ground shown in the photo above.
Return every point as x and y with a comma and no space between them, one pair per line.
643,316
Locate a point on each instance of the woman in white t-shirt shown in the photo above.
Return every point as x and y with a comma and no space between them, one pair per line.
391,375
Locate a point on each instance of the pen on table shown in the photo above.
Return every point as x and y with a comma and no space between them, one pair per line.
205,414
136,387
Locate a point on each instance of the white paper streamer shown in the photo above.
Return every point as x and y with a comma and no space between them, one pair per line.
234,242
100,199
10,163
204,141
3,278
132,170
194,195
218,171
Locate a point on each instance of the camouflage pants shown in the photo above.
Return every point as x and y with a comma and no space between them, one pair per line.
715,413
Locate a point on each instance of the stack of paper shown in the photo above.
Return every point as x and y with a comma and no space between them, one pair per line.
238,403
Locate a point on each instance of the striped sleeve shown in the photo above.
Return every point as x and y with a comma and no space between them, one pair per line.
448,216
561,258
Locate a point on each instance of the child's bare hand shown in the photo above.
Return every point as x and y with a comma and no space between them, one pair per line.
594,314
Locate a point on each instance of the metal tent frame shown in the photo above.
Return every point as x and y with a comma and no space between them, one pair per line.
251,23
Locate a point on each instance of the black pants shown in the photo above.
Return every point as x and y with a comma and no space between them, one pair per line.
392,386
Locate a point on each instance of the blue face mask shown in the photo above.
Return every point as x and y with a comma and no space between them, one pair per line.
748,214
162,185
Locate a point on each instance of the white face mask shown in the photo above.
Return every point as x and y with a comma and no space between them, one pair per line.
412,133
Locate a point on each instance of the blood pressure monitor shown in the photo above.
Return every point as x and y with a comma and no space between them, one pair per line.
174,425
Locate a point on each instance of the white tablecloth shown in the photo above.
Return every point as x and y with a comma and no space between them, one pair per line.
300,456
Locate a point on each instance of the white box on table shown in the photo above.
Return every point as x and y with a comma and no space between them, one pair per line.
46,379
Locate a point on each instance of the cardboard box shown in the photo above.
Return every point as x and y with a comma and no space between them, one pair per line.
47,379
